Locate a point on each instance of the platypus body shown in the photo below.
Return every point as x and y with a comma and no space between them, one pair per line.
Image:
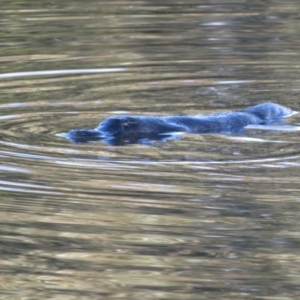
138,128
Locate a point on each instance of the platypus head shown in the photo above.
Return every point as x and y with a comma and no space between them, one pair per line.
269,112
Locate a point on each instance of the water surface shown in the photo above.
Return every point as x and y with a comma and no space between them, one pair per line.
202,216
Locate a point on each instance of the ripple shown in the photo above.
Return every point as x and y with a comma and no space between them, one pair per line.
26,188
36,135
30,129
140,221
274,127
61,72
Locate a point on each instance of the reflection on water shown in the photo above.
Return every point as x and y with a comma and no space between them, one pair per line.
201,216
116,140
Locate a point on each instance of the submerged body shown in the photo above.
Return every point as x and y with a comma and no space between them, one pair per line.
139,126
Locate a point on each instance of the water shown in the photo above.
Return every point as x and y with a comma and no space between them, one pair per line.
198,217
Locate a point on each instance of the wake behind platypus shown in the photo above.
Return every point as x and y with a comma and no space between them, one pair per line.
136,129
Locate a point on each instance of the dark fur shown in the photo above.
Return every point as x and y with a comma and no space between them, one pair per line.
139,127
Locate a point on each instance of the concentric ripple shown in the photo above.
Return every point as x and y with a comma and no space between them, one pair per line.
196,217
33,129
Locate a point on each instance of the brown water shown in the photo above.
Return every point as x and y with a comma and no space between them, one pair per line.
202,217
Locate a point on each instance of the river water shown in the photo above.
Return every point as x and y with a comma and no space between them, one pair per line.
199,217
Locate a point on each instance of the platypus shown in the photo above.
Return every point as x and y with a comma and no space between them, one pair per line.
136,127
